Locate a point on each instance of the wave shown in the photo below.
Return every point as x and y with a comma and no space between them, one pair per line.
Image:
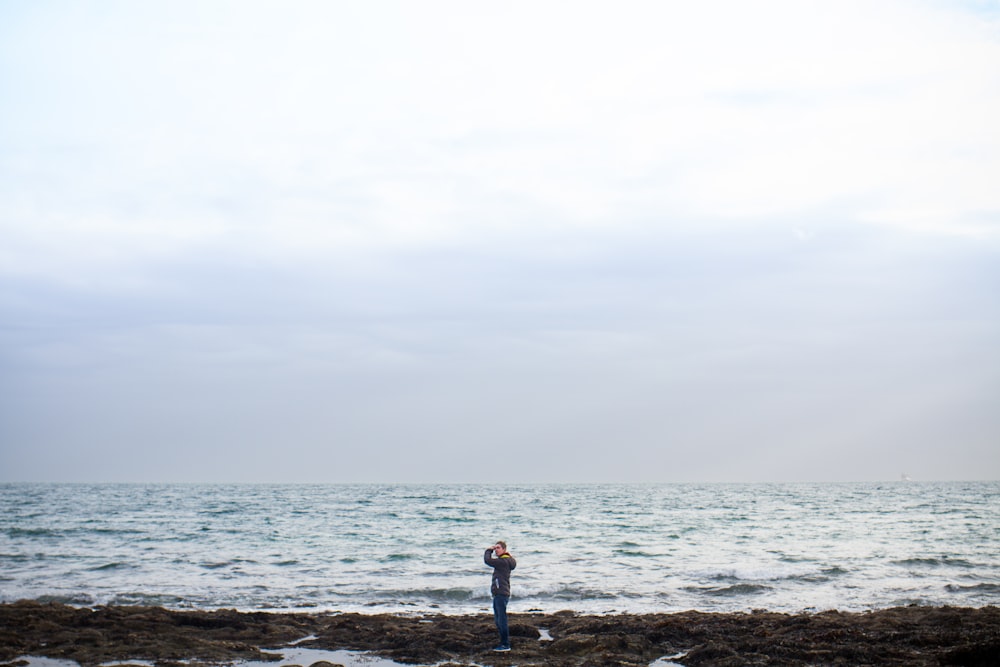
433,595
145,600
391,558
226,563
33,532
100,530
450,519
72,599
17,558
936,562
824,575
564,593
217,566
739,581
219,511
741,574
111,566
635,553
734,591
975,588
16,531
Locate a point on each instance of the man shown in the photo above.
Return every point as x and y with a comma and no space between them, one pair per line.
502,563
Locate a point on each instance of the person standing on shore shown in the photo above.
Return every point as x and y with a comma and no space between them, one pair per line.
502,563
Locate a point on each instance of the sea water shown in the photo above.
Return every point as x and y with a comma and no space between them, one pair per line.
419,548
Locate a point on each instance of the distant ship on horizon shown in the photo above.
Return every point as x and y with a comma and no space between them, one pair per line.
905,478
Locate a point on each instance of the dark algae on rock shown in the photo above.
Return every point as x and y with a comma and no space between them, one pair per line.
921,636
103,634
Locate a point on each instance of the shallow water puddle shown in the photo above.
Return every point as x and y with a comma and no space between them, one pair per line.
304,657
290,656
38,661
307,656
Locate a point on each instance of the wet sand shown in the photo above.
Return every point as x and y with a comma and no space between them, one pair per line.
899,636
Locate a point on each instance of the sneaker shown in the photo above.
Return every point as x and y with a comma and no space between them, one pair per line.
501,648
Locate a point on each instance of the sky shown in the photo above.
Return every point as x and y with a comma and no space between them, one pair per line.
499,242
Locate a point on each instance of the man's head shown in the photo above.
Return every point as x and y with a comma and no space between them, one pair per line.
500,548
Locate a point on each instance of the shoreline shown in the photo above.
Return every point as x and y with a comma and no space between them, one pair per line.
902,635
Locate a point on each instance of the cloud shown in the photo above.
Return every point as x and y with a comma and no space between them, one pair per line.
670,228
416,116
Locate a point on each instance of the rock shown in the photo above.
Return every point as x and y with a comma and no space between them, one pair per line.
918,636
983,655
577,644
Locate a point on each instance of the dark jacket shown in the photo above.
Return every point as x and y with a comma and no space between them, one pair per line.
501,572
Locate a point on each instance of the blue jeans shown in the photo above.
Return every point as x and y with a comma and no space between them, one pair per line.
500,616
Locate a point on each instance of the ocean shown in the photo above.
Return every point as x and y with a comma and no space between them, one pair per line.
418,548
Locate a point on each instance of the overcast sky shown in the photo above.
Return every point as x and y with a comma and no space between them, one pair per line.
458,241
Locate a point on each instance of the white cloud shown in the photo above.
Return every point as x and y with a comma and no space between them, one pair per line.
333,127
350,134
586,206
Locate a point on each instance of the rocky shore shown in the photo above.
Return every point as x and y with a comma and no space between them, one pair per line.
899,636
